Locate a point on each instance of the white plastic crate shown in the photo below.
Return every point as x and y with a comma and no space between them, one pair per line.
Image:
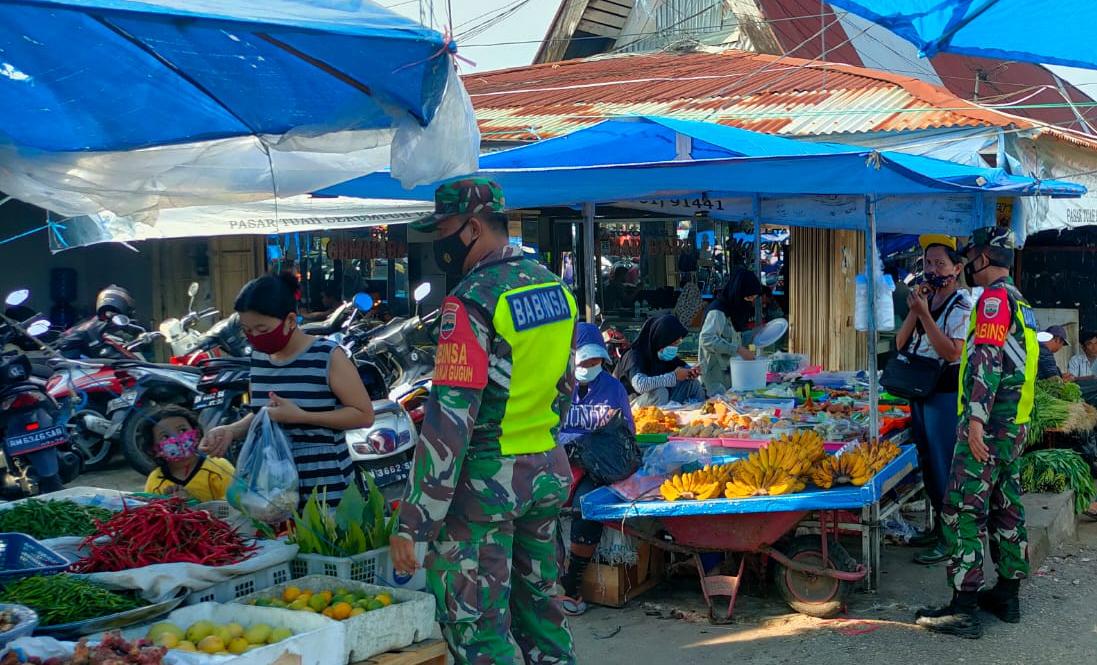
241,585
317,640
408,620
373,567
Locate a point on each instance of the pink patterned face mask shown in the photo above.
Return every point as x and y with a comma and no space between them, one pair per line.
179,447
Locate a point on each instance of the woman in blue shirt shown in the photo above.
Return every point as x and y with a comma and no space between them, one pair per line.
599,402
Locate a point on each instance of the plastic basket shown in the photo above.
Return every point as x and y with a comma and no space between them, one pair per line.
23,556
241,585
365,567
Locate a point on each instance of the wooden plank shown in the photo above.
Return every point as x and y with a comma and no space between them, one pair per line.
429,652
561,31
599,29
608,6
605,18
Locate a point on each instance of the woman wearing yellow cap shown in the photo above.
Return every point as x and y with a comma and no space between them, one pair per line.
935,329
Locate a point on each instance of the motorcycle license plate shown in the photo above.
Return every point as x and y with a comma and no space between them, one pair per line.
393,473
124,402
37,440
210,400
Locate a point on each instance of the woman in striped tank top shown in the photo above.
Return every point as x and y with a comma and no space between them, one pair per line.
308,384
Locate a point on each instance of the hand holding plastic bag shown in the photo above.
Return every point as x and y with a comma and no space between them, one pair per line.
265,485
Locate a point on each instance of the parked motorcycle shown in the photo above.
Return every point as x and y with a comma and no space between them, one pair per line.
182,334
36,452
98,385
398,357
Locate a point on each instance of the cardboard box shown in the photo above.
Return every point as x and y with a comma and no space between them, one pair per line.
615,586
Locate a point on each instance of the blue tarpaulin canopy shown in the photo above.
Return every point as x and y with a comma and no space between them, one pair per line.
123,96
1057,32
645,162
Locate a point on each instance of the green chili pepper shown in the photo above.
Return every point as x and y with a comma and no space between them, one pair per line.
52,519
61,599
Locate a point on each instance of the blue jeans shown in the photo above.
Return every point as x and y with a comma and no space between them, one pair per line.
933,428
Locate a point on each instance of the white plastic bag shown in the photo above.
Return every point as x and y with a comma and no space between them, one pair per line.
265,485
885,303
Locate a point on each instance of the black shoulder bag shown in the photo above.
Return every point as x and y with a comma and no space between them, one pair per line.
912,376
609,454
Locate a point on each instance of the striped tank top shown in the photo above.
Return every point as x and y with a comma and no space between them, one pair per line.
321,454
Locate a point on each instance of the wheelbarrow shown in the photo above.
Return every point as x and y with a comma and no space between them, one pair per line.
814,572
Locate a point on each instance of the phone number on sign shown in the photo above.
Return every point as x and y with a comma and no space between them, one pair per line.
708,204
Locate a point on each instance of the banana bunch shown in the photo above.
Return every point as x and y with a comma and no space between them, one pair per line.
851,468
695,485
879,454
808,444
754,480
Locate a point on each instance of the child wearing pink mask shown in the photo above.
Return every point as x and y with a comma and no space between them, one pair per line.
172,440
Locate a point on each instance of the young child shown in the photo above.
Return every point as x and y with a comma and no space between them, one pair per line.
172,440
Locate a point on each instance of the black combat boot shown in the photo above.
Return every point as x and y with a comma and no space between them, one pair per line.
958,618
1002,601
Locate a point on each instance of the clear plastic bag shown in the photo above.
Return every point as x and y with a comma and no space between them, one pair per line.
265,485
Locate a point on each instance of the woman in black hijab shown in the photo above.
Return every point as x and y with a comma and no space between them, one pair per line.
652,370
720,339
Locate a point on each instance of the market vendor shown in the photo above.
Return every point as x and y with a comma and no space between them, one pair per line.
1084,364
934,329
1047,368
720,339
598,425
171,438
652,372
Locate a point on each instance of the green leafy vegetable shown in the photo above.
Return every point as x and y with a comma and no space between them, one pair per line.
1058,470
355,526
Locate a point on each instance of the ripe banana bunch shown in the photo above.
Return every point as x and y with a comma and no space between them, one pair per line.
782,454
753,480
695,485
807,442
879,454
851,468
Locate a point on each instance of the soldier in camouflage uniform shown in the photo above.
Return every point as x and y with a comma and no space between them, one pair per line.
997,389
488,480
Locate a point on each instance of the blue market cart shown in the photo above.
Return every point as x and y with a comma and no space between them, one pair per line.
814,572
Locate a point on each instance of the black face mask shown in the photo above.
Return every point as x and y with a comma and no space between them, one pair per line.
970,272
450,252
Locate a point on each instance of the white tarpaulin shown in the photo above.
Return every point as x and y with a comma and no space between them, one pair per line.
293,214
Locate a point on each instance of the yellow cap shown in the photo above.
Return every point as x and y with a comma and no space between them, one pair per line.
937,239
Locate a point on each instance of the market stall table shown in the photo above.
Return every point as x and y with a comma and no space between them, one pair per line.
754,525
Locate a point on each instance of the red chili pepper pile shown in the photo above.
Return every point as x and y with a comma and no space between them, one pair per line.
162,531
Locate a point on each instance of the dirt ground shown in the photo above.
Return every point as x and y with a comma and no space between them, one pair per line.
669,623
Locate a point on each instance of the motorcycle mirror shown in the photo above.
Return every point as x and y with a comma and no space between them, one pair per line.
16,298
120,320
421,292
192,290
363,302
38,327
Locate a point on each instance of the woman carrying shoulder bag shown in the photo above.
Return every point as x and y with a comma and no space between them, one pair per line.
935,330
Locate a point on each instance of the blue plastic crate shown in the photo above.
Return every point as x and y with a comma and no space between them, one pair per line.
23,556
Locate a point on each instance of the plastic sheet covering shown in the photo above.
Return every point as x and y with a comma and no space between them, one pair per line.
603,505
293,214
121,106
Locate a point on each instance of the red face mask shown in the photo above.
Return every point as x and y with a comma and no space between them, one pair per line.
273,341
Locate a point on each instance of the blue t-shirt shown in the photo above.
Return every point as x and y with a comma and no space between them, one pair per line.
605,398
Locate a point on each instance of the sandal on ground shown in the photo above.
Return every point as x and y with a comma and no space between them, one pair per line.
572,607
1091,515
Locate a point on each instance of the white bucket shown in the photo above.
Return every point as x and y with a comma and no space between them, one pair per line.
749,374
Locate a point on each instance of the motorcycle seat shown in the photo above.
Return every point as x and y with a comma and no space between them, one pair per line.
225,362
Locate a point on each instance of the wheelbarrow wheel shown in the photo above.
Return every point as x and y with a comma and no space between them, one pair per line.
814,595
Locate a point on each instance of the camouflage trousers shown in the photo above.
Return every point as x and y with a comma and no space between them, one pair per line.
986,497
494,567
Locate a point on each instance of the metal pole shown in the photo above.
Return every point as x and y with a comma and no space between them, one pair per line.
756,213
588,259
873,332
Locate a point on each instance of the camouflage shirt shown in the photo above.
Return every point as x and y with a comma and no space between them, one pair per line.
462,423
995,356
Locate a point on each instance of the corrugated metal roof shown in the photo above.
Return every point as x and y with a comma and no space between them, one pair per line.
764,93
